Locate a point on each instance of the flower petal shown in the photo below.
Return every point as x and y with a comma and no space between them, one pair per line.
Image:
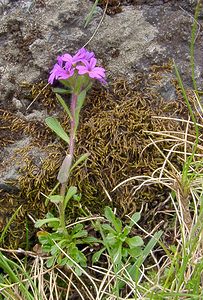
82,70
93,62
67,57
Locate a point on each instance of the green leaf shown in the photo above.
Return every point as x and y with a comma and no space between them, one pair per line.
134,219
65,261
110,239
82,233
50,262
108,228
46,248
96,255
134,269
78,271
70,193
54,124
82,158
61,91
77,227
79,84
65,82
77,197
64,105
56,198
150,245
111,217
135,252
91,240
121,237
54,250
126,230
124,252
117,254
109,214
135,241
40,223
54,225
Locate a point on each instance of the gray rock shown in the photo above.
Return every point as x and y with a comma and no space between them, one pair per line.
30,40
128,42
132,37
13,161
36,116
165,88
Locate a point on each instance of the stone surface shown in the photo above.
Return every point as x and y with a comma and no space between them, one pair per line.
30,39
127,42
124,39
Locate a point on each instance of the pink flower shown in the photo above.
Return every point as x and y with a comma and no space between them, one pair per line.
59,72
81,56
91,69
83,61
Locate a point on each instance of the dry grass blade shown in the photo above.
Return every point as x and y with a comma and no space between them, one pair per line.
70,282
91,279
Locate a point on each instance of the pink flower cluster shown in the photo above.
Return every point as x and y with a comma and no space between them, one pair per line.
83,62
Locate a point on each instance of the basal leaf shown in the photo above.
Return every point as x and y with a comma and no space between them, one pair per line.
134,219
134,242
111,217
82,233
50,262
135,252
134,270
96,255
40,223
56,198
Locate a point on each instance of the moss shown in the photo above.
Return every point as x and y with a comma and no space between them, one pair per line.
113,128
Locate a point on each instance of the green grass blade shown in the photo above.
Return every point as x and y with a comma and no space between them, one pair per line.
188,162
192,44
134,269
12,269
90,14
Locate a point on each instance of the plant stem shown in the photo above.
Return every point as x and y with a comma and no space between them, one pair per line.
72,128
70,155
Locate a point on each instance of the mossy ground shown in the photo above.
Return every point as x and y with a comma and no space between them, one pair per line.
112,129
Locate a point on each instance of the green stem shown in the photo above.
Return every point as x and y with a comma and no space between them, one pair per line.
194,148
71,153
62,210
192,45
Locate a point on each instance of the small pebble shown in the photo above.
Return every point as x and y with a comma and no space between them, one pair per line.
17,103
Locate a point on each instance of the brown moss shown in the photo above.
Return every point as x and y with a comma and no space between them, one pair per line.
113,128
113,131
